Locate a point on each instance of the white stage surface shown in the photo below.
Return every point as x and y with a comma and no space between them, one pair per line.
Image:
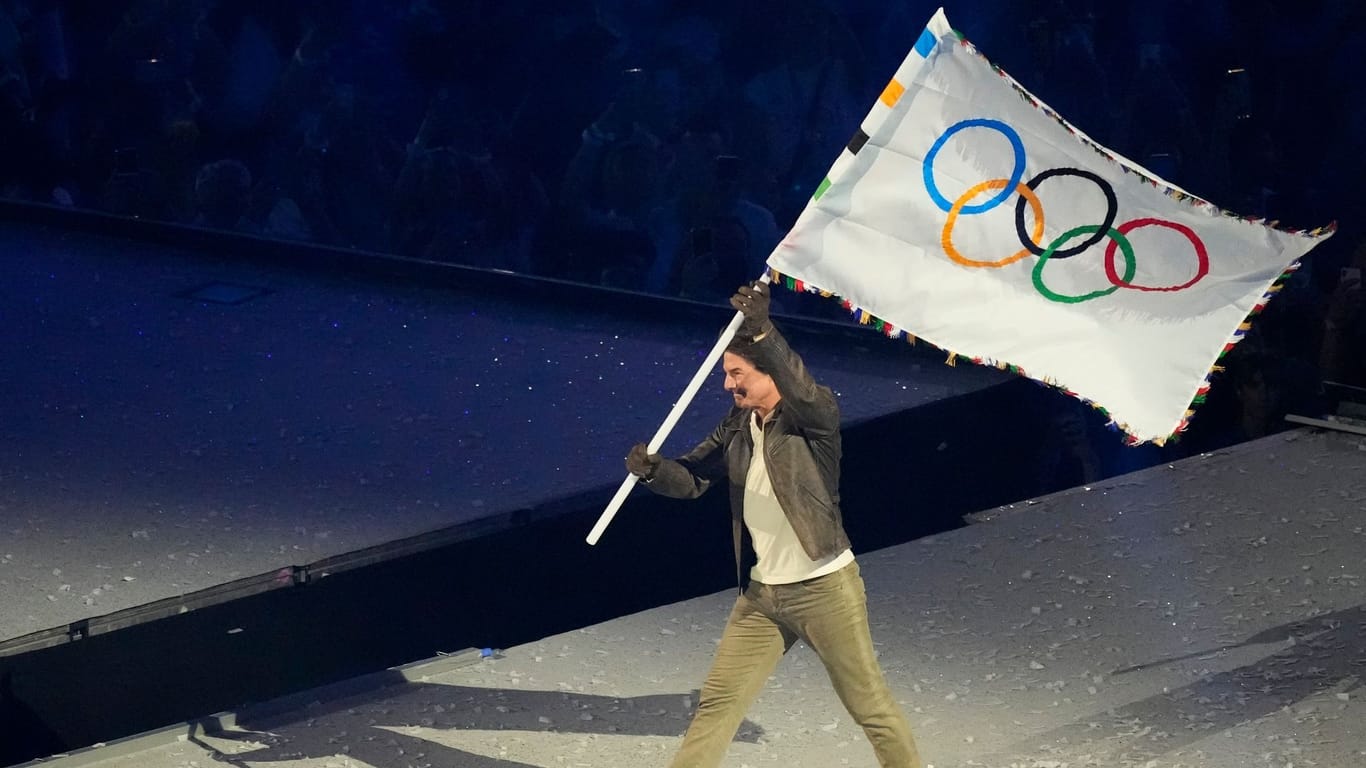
173,422
1205,614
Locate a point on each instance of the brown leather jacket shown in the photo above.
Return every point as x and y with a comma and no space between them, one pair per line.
802,451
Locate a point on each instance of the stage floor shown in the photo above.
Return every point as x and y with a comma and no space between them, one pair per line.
173,422
1205,614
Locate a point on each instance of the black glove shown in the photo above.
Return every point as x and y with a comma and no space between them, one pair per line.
752,300
641,463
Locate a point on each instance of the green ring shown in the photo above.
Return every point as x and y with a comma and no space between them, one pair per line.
1130,264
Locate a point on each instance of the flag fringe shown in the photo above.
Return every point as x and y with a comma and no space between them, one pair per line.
1126,166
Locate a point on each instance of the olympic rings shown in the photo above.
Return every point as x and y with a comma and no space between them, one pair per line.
946,239
1016,173
1031,240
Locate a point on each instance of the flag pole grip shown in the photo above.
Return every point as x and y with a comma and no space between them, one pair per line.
671,420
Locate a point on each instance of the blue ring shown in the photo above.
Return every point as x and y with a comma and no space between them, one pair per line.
1009,189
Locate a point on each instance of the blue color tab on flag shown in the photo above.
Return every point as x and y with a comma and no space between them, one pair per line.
925,45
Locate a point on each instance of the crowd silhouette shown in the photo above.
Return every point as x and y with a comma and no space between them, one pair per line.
665,146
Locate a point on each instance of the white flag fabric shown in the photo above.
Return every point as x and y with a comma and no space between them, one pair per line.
967,213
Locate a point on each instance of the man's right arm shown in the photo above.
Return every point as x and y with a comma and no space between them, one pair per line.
690,475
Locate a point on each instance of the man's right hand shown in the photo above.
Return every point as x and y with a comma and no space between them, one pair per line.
641,463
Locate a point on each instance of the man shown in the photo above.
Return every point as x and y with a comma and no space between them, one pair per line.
779,447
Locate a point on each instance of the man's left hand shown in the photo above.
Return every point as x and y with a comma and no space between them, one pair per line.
752,300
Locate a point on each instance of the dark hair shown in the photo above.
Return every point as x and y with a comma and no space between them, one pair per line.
743,346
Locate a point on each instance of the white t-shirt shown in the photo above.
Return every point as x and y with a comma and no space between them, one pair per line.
781,557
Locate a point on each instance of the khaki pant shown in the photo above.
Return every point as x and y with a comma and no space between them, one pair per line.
830,614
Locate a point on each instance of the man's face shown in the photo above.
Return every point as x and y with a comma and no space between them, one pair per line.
750,387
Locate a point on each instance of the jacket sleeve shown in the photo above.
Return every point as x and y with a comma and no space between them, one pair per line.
690,475
812,406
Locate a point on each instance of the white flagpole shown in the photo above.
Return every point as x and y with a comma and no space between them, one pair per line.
672,419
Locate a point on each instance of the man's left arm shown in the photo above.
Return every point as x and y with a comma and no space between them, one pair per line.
811,405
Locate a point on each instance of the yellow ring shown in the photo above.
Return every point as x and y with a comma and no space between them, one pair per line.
946,239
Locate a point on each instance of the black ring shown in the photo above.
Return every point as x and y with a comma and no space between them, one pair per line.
1111,211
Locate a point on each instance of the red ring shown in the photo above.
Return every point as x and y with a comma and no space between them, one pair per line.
1201,254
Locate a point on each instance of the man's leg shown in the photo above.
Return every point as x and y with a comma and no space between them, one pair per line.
751,647
831,615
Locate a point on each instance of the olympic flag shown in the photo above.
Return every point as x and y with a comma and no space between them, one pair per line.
969,214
